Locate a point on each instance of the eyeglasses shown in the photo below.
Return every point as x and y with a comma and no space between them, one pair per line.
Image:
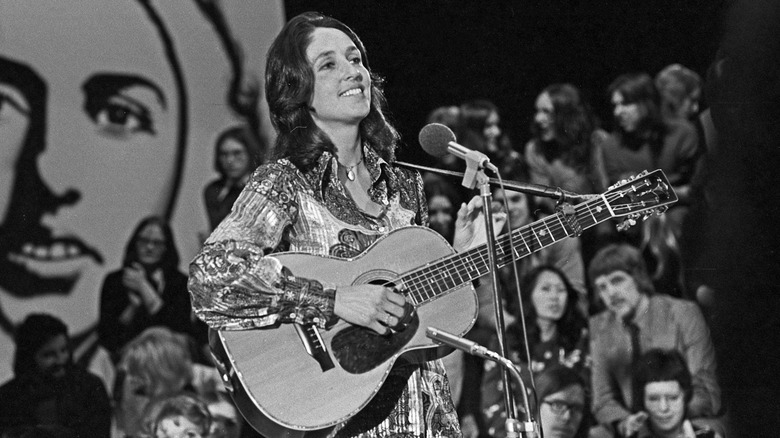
560,407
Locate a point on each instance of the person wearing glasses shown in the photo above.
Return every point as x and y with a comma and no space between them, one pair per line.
148,290
563,405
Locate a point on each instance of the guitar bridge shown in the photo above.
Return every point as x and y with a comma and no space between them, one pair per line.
312,342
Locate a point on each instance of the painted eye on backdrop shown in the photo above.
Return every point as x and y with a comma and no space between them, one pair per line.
119,116
122,105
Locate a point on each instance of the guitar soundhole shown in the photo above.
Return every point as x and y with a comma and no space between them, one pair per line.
358,349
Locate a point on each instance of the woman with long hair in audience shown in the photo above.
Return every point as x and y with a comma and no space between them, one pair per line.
480,130
562,151
556,331
643,140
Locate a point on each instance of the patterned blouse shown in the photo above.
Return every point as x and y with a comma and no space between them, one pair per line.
237,284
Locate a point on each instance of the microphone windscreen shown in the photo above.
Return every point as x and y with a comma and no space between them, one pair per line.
435,138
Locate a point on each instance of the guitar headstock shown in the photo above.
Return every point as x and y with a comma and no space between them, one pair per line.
640,197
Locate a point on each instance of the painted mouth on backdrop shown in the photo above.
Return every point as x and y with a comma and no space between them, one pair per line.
35,263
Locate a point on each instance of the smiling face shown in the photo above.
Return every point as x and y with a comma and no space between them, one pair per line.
342,91
627,114
549,296
102,135
619,292
665,404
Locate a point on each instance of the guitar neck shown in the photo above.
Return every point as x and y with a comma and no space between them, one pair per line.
430,281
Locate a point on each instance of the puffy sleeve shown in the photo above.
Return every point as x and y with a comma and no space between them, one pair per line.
236,283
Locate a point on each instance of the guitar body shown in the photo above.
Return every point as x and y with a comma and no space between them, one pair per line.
283,391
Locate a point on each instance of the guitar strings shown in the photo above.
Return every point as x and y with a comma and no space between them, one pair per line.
435,277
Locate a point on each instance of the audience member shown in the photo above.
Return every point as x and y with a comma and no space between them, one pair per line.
480,130
234,161
177,416
565,152
565,254
149,290
636,320
443,202
557,335
562,152
226,421
563,406
665,387
661,248
680,91
154,365
643,140
48,388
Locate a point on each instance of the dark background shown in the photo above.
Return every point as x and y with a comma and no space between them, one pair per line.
434,53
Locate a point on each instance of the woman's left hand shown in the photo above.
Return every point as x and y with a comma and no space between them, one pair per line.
470,225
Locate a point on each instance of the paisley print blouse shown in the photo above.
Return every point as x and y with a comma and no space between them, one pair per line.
236,283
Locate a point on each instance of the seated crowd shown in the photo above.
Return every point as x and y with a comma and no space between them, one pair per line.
604,326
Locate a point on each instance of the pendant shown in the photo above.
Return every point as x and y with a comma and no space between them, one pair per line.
350,175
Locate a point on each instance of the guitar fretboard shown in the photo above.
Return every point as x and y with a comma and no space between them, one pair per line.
432,280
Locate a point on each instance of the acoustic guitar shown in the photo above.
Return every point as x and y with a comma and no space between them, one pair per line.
295,380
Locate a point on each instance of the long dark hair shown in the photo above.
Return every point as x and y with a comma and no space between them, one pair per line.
570,325
638,88
169,261
573,123
289,84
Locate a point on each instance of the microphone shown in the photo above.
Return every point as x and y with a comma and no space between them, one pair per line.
462,344
514,428
438,140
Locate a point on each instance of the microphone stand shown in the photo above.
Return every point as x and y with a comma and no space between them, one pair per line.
528,188
514,427
475,171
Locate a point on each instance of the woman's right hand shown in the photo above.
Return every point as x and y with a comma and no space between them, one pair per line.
369,305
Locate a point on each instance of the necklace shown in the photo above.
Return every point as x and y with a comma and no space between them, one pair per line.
350,169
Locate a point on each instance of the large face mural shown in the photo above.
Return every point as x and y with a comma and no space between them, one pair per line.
107,114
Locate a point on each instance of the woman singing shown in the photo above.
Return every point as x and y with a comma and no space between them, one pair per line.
333,190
